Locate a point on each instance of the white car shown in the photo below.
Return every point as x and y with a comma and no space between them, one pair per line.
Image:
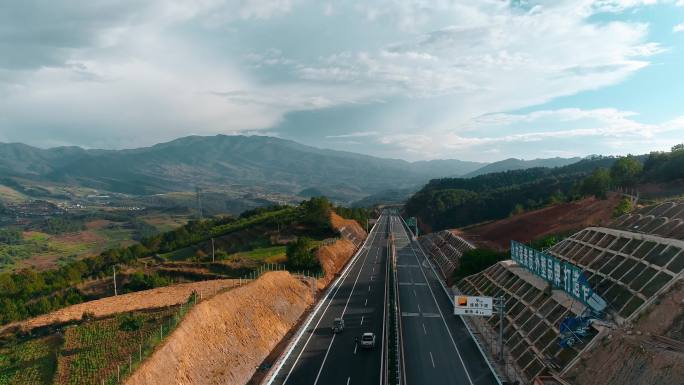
368,340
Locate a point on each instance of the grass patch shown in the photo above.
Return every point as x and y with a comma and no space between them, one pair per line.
180,254
262,253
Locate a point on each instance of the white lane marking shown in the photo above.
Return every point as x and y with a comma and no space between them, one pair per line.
424,330
348,378
453,342
419,311
369,288
414,293
361,320
432,359
365,303
338,283
343,311
355,346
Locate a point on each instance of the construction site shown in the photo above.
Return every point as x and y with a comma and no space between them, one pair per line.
603,306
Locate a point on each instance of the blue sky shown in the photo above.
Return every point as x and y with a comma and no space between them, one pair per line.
415,79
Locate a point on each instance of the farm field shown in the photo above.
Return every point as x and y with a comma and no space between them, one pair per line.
10,195
272,254
90,351
40,250
29,362
165,222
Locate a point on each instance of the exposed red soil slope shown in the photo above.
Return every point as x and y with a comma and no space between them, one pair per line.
154,298
338,223
630,356
335,256
222,340
525,227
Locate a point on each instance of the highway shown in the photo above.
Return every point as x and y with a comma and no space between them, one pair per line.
321,357
437,347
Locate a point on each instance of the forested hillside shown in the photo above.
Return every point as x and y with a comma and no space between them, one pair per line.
456,202
521,164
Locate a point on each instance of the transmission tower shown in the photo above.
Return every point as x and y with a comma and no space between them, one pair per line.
198,193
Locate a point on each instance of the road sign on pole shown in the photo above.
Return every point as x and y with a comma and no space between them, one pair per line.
470,305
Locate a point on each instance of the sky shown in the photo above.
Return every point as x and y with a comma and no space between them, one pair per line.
479,80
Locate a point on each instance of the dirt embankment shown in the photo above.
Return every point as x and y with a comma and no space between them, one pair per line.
525,227
631,355
350,225
159,297
335,256
222,340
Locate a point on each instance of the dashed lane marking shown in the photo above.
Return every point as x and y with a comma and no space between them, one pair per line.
407,314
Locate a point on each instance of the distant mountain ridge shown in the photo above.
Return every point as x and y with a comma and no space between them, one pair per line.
257,163
521,164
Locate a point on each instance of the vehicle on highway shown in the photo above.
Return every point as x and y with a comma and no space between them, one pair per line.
338,325
368,340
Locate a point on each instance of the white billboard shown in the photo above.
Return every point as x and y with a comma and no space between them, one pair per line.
469,305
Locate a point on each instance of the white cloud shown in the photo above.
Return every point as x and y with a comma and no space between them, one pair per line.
678,28
359,134
598,128
136,73
497,51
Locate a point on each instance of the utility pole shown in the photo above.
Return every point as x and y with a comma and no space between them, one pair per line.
213,258
114,269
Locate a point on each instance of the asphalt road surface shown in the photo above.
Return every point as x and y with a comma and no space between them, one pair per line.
436,345
321,357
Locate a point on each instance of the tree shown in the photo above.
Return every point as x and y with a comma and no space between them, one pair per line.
10,235
300,255
317,211
678,147
9,311
626,171
597,184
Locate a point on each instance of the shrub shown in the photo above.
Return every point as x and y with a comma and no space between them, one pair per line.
476,260
623,207
300,254
131,322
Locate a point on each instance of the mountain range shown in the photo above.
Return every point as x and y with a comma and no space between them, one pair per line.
521,164
223,162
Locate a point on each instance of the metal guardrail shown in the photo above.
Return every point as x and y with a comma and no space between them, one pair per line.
395,354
